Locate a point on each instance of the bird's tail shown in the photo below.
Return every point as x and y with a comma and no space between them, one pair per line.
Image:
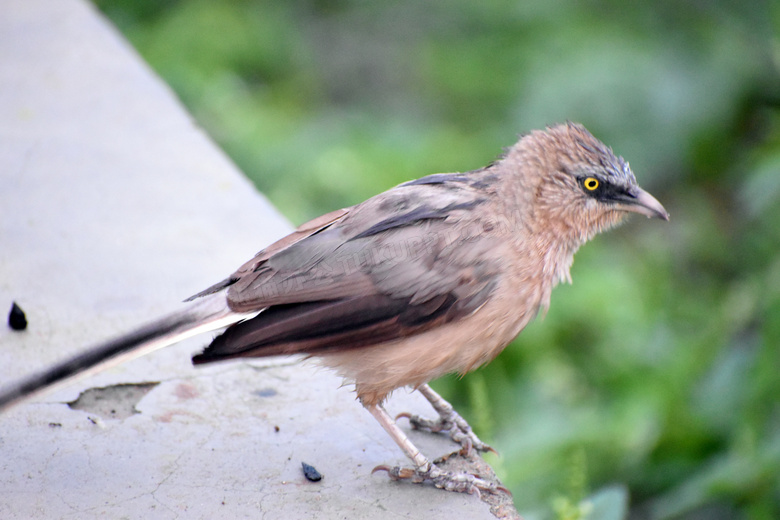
207,314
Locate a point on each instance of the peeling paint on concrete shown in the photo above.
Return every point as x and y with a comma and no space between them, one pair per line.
112,402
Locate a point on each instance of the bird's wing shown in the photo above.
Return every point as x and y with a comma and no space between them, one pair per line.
400,263
301,232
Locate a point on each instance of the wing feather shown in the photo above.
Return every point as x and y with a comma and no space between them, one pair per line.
382,270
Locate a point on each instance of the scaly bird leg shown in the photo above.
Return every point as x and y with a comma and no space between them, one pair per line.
449,420
424,470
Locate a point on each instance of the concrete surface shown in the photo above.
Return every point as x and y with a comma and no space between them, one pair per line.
114,206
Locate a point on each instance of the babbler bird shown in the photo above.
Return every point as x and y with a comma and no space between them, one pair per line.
434,276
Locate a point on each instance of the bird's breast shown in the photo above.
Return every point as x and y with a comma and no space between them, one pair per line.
459,346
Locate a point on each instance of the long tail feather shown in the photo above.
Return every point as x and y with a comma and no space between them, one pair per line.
207,314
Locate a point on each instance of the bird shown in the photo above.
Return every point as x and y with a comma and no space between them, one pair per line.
434,276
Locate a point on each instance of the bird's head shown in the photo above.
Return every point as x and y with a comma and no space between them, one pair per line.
576,186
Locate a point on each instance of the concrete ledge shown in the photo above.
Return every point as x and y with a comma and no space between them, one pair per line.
114,206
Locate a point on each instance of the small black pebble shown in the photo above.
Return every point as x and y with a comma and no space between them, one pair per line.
16,318
311,473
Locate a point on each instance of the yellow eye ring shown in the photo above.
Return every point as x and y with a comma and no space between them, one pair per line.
591,183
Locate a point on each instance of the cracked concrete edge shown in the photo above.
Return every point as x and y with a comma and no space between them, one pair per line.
114,207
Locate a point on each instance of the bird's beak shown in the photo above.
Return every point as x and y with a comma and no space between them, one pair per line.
639,201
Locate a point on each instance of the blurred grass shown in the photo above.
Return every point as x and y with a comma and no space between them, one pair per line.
657,372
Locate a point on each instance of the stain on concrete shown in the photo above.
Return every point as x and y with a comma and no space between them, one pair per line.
266,392
186,391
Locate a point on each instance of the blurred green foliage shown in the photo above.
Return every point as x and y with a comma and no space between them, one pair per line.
653,383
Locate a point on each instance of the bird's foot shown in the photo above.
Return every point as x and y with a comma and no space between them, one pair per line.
430,473
425,471
449,420
460,431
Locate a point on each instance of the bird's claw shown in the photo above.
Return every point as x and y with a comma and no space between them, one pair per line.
458,482
460,430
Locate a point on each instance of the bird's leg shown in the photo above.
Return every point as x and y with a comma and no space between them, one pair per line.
449,420
424,470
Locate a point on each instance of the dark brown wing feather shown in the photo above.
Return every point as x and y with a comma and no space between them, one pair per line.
303,231
316,327
395,265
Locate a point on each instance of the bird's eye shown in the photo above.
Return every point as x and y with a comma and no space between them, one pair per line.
591,183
